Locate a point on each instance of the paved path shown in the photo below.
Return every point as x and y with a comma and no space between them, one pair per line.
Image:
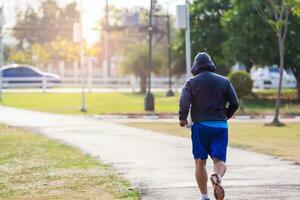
162,165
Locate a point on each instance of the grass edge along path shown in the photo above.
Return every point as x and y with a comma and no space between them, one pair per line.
35,167
282,142
123,103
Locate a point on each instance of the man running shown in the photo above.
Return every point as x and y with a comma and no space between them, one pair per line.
213,101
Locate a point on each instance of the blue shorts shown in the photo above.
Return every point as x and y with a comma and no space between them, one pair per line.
209,140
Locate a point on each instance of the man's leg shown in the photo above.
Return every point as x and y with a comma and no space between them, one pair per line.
219,167
219,171
201,175
218,152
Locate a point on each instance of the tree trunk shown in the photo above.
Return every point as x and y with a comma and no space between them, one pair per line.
297,76
249,65
278,99
242,109
143,83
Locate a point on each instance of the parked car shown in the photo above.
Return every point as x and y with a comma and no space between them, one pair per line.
268,77
19,75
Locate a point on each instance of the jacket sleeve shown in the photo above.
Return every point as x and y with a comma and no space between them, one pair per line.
185,101
232,99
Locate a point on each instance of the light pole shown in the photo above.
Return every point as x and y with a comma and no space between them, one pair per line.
80,39
170,93
106,42
183,22
188,51
169,45
188,41
149,97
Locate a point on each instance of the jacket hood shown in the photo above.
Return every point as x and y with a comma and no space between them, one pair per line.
202,62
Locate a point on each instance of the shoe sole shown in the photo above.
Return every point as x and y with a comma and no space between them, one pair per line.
219,192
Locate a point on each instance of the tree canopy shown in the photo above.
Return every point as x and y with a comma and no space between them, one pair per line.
207,33
252,35
46,24
250,41
135,60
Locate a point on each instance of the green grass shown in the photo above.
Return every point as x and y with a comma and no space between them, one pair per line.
35,167
271,93
267,106
97,103
283,142
126,103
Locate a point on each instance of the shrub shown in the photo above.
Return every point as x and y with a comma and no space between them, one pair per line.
241,82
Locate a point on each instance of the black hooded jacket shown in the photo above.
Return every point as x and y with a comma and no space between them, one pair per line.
210,96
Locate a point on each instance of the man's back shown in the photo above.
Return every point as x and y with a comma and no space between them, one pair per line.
210,93
211,96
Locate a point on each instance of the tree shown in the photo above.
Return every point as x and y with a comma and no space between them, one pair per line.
207,33
40,56
25,29
122,35
178,53
57,21
277,13
46,24
64,49
292,60
22,57
134,60
296,8
249,41
242,83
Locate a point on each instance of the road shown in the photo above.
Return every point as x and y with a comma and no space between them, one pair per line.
161,165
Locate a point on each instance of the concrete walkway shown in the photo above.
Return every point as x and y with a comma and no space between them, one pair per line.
161,165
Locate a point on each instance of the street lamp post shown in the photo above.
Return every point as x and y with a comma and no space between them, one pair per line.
188,42
106,42
149,97
170,93
183,22
78,37
169,45
188,51
83,105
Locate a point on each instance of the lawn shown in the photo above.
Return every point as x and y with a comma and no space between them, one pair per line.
283,142
97,103
126,103
35,167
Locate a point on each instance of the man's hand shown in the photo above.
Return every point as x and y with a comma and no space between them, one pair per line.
183,123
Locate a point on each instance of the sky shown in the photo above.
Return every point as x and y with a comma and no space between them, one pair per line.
92,11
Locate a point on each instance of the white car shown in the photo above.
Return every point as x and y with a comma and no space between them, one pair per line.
268,77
